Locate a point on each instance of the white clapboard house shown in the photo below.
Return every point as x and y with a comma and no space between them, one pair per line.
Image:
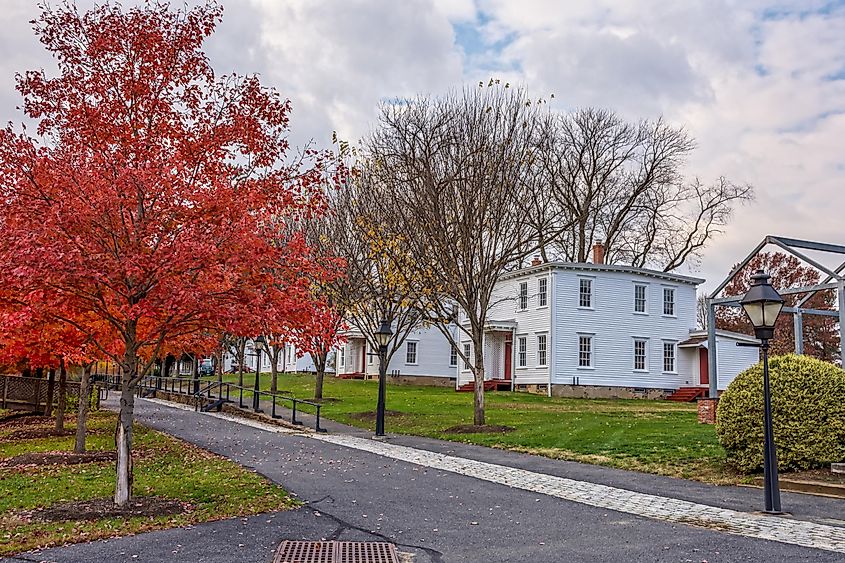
425,358
600,330
290,360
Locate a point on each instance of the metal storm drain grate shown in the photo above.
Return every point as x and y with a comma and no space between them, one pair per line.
336,552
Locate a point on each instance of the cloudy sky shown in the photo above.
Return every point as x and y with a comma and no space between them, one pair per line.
760,85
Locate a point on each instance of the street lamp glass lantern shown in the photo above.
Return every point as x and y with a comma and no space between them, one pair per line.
259,342
384,333
762,304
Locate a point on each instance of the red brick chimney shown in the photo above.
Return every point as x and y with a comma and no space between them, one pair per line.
536,261
598,252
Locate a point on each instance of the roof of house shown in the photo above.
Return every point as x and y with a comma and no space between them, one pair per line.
587,267
699,337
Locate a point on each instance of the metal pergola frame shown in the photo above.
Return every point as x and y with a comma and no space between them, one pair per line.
835,280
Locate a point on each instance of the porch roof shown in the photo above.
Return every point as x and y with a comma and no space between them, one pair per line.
698,338
495,325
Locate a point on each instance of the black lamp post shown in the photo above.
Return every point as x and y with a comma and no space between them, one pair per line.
383,335
259,346
763,304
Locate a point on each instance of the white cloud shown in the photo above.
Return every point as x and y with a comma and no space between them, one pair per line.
753,81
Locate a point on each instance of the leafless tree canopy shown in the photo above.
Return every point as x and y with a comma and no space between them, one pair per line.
455,180
370,290
621,183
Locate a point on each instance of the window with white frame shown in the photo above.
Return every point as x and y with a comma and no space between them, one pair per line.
585,351
371,356
453,356
585,293
467,350
640,299
342,356
542,292
669,301
640,354
669,357
523,296
521,351
542,350
411,352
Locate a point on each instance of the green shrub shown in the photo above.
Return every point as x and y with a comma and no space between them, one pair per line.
808,414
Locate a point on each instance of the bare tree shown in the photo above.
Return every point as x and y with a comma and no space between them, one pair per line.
701,312
621,183
451,182
370,290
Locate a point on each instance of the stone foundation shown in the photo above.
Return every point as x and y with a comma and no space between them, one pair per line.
434,381
601,392
176,398
707,410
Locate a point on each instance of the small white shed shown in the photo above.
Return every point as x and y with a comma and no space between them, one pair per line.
733,359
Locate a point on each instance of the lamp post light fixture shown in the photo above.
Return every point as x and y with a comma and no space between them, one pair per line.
763,304
259,344
383,335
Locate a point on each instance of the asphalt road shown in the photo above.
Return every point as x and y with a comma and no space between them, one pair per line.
436,515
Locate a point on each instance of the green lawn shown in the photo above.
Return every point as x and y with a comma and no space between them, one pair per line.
164,466
653,436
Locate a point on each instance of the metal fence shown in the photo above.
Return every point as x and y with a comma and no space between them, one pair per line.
210,390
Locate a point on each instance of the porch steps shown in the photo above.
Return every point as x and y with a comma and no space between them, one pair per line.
489,385
687,394
351,376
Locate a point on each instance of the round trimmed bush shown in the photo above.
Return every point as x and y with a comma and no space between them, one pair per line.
808,414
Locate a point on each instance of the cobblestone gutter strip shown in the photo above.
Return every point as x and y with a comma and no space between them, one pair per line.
784,530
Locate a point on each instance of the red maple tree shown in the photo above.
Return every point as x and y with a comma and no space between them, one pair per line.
149,200
821,337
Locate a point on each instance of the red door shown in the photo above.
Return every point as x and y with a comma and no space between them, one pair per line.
703,367
508,359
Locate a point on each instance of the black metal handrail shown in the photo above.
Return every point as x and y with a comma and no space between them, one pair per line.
191,387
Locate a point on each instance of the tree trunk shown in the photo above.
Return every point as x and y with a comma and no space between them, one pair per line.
274,369
51,385
60,408
82,410
478,374
218,367
241,354
123,443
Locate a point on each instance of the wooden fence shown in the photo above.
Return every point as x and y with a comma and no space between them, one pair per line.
33,393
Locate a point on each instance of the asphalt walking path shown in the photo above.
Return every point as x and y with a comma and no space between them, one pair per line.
444,501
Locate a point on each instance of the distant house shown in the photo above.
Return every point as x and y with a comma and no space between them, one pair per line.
290,360
296,361
598,330
425,358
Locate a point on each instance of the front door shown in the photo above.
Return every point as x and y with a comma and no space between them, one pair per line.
508,358
703,367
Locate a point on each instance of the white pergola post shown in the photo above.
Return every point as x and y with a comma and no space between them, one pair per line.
711,349
798,330
841,291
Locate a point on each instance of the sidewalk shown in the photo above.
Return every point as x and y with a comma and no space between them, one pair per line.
818,509
451,502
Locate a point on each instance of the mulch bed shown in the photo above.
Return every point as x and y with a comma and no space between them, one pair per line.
97,509
819,475
21,420
58,458
479,429
371,415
